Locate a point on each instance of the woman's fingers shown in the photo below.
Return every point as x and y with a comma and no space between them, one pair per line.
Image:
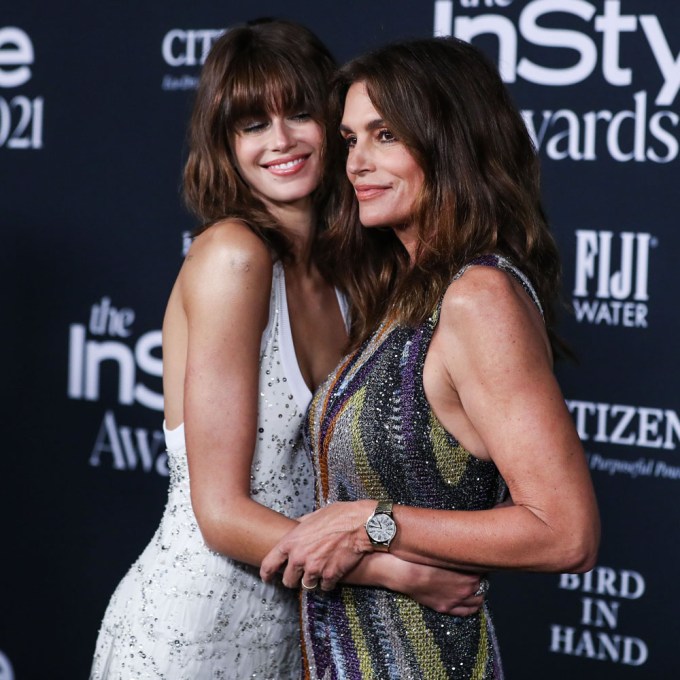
273,563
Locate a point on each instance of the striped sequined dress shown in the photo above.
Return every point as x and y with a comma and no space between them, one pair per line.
373,435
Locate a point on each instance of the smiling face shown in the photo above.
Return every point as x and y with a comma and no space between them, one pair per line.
386,177
280,157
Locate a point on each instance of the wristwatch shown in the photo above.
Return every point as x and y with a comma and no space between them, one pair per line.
381,527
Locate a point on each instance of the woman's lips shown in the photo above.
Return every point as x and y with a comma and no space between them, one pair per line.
365,192
286,166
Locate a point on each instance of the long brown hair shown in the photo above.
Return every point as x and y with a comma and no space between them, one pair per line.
445,101
264,66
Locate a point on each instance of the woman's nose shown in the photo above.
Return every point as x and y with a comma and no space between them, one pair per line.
359,160
283,138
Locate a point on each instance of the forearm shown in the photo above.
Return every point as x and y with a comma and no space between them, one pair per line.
444,590
510,537
243,530
379,570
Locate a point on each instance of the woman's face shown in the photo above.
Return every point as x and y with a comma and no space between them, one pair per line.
386,177
279,156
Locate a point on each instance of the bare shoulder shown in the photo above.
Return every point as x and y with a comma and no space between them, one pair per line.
488,306
226,256
227,264
232,245
481,291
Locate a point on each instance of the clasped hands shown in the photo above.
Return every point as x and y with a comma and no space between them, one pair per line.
328,545
324,547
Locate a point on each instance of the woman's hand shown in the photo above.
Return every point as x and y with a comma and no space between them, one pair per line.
444,590
324,547
447,591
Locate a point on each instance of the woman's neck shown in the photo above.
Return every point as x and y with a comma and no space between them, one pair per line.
299,224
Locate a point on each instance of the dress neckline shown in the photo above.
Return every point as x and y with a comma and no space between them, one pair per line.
291,367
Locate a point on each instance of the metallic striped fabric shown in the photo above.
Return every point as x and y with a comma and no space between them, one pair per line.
373,435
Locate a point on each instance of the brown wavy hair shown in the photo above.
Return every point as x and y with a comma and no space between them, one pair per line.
445,101
264,66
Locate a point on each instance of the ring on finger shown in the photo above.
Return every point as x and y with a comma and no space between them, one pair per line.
306,587
483,587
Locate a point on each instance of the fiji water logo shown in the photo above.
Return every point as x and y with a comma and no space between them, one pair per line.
611,277
21,117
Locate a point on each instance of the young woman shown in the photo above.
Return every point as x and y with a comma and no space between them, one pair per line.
252,327
449,393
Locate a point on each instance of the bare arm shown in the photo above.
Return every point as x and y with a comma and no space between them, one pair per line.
225,289
495,367
444,590
497,363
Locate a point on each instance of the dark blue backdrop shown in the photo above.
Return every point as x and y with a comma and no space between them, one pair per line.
94,100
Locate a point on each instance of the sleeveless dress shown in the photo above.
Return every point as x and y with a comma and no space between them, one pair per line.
185,612
373,435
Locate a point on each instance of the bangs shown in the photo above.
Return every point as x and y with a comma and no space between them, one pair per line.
260,84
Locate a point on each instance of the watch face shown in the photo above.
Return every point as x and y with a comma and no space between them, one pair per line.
381,528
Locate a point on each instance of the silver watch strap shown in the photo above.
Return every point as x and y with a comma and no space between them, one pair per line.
384,507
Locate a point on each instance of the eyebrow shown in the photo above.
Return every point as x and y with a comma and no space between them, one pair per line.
373,125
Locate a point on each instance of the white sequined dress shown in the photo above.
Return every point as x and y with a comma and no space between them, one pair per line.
185,612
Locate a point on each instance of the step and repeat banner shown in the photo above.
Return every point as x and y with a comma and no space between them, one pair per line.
94,102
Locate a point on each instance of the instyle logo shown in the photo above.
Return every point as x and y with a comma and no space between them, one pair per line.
108,364
603,592
21,117
186,49
611,277
87,356
126,448
646,130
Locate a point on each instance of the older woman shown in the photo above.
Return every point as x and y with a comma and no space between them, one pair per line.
449,393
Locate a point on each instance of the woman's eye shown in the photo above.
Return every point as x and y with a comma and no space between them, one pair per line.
252,126
385,135
349,141
303,115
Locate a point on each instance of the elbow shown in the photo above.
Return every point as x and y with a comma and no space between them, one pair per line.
217,527
212,543
580,549
224,531
580,560
212,533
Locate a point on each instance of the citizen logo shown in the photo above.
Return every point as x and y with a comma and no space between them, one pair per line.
188,47
623,425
